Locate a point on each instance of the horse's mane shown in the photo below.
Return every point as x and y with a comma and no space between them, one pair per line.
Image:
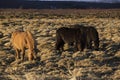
30,40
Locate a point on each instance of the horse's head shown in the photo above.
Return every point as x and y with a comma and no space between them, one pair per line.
32,54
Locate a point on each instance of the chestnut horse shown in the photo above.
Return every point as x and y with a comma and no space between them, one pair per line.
22,40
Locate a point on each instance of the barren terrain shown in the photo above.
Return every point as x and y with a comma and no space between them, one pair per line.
87,65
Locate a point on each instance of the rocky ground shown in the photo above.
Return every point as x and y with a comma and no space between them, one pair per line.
87,65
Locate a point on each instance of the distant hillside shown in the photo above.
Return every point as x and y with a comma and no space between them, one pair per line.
55,4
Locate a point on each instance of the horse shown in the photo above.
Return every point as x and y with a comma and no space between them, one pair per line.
69,35
91,35
22,40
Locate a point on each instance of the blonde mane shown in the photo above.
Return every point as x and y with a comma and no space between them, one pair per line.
30,40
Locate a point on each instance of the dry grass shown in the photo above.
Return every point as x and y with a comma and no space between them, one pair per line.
90,65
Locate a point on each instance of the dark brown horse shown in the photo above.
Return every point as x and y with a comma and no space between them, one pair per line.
92,36
68,35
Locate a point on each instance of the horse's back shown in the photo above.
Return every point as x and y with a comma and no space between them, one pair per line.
18,39
67,34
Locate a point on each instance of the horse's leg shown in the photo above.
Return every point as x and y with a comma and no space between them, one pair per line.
35,57
96,45
80,46
17,55
23,54
34,54
76,46
62,46
89,44
30,55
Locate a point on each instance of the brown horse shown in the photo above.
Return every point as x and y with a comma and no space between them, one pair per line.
70,35
92,36
23,40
